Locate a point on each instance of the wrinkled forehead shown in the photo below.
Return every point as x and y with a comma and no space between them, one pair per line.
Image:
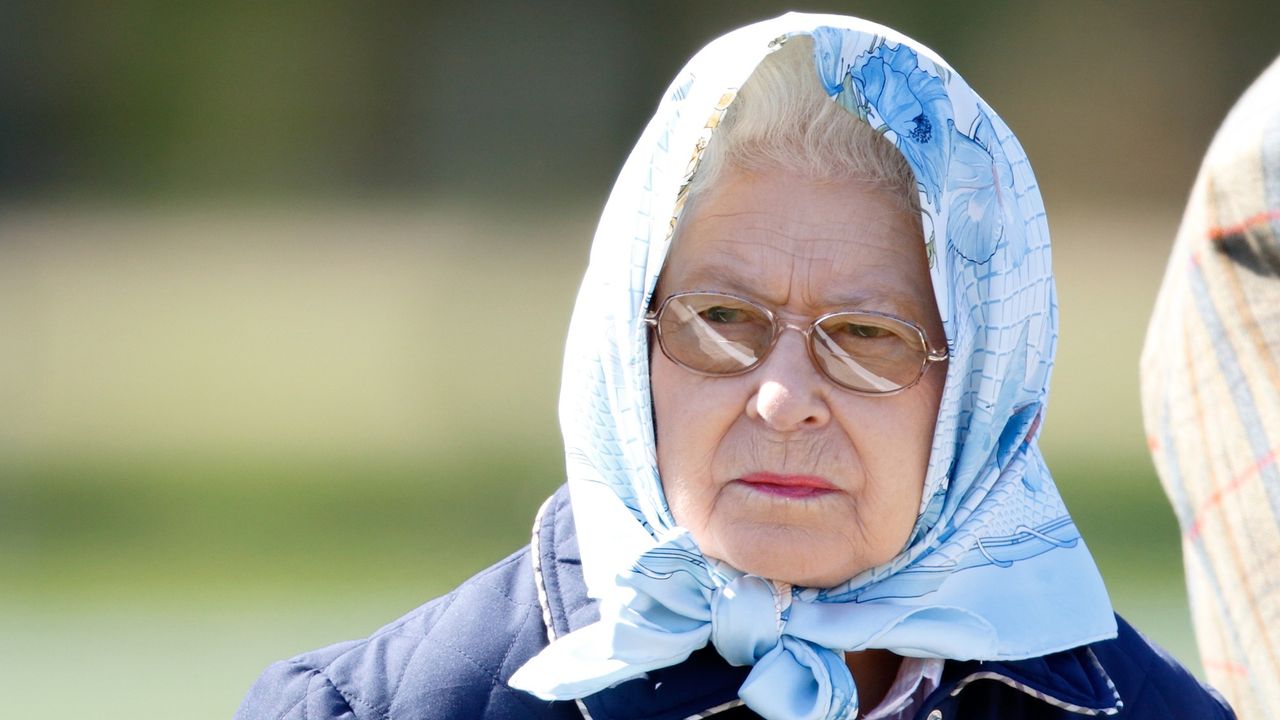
811,245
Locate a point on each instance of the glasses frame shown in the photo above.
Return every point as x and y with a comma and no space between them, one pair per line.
651,318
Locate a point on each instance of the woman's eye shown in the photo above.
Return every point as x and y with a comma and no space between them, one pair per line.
720,314
866,331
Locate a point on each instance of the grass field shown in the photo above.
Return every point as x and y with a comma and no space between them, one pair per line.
230,437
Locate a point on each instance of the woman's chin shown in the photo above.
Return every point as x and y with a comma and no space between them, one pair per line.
796,555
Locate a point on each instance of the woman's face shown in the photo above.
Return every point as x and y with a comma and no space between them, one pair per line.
780,472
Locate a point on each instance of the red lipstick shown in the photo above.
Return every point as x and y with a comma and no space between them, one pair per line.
788,486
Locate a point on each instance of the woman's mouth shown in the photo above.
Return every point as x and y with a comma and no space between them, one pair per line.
787,486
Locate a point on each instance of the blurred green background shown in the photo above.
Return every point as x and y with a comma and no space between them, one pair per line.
252,256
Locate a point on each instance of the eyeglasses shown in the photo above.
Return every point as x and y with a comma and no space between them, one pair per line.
720,335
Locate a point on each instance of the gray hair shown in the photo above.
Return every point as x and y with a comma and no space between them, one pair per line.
783,119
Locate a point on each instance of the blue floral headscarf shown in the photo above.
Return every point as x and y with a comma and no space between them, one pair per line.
994,569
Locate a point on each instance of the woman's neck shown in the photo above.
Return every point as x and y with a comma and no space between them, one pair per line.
873,673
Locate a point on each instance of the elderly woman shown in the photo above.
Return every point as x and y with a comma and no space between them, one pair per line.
802,391
1211,398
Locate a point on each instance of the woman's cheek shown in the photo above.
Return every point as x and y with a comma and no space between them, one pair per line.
691,446
684,484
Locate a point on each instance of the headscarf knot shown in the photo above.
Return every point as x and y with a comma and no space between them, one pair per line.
671,602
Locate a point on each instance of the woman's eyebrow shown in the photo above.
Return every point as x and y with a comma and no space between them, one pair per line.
875,297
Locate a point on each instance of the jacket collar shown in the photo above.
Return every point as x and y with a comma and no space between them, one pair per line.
1072,680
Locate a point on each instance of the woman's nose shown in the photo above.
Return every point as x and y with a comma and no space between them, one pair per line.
790,394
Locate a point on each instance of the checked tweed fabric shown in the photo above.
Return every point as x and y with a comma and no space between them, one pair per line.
1211,399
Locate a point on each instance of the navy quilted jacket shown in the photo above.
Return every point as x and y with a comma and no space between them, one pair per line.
450,659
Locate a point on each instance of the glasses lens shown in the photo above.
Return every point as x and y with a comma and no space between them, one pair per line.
869,353
714,334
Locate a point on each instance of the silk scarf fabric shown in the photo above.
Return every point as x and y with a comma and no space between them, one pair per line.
1211,399
994,569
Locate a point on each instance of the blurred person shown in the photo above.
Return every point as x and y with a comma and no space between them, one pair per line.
1211,400
801,400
